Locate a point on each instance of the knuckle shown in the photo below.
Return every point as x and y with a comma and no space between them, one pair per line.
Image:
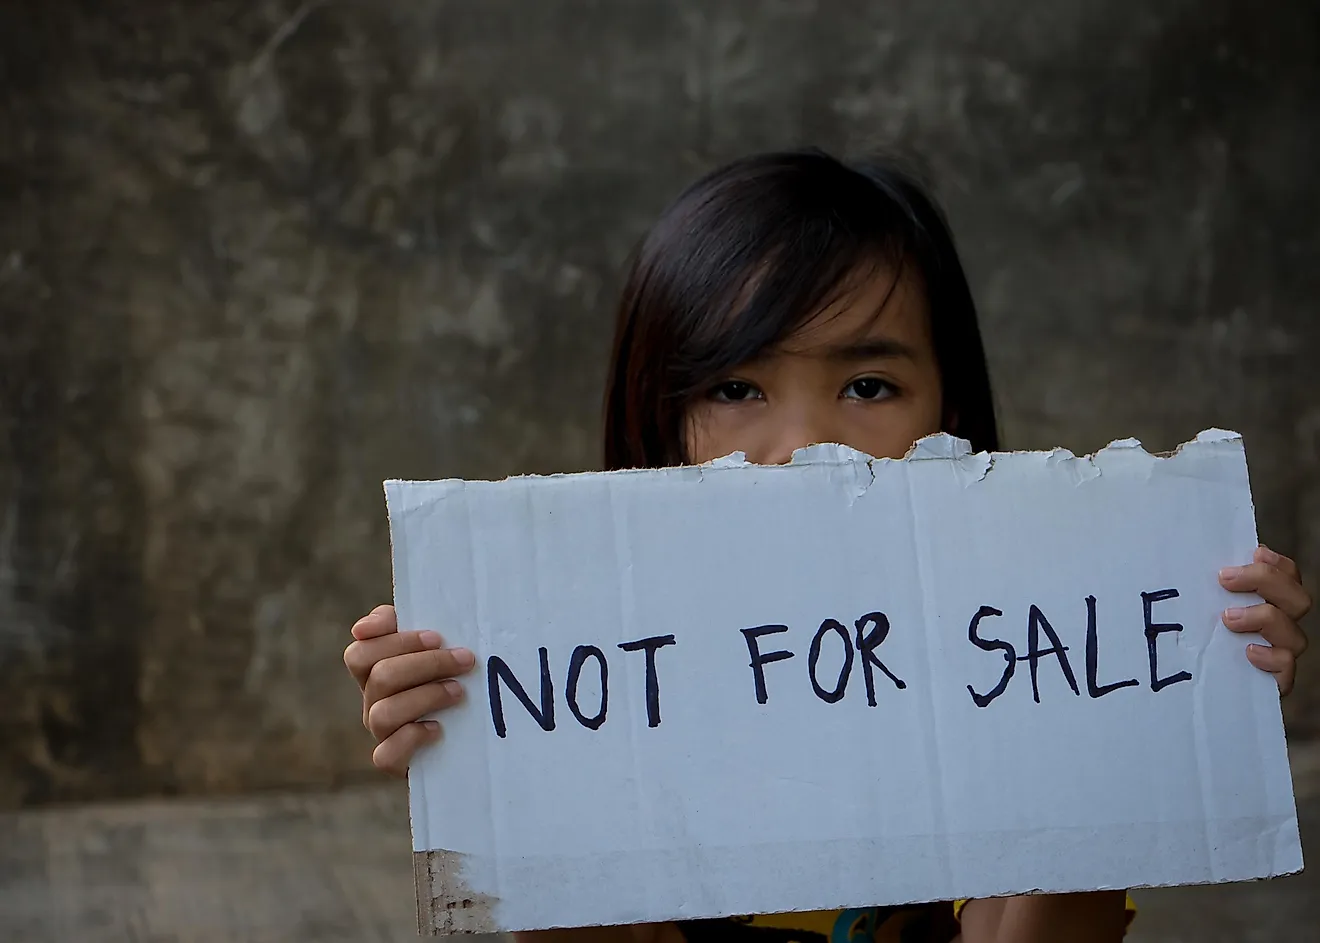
384,760
443,695
378,720
437,663
355,659
1272,617
382,678
444,663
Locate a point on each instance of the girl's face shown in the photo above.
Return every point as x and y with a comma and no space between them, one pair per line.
861,373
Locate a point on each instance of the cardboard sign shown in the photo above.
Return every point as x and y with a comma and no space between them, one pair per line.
843,682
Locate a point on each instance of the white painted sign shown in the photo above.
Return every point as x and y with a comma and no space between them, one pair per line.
839,683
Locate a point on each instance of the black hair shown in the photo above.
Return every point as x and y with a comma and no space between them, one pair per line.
748,254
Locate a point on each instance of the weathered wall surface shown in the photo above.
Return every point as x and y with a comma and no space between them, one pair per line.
257,256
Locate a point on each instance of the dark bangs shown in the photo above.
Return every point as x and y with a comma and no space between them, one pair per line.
750,253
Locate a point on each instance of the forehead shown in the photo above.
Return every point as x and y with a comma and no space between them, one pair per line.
884,302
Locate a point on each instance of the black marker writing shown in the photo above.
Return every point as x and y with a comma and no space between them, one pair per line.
759,660
580,655
1093,657
841,685
991,645
1035,621
497,670
1153,631
867,643
650,646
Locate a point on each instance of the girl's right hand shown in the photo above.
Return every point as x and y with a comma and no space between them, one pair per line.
403,676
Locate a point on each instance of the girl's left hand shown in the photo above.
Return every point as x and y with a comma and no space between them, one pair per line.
1275,579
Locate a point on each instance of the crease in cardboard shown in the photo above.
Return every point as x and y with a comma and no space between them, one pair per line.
493,839
1200,749
956,450
627,608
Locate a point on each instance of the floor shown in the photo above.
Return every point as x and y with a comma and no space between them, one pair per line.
337,867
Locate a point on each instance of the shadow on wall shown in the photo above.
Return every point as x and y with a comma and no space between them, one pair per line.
255,258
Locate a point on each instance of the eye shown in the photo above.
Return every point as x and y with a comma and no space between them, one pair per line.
735,391
868,388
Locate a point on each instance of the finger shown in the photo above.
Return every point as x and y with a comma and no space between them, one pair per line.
394,754
402,672
361,657
1269,584
1270,621
379,621
391,714
1284,565
1277,662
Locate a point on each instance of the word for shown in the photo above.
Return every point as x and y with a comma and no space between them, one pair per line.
872,629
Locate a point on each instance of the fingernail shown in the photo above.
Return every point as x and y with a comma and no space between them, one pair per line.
1228,572
1268,555
431,639
464,657
431,725
453,688
1234,615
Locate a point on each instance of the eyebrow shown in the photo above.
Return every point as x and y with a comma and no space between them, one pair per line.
876,349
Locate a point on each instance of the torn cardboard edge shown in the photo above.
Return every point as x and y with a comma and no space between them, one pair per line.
445,904
939,446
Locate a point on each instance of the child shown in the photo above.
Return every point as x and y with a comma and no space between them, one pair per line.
784,300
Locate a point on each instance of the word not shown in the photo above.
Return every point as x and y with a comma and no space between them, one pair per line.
497,670
1036,623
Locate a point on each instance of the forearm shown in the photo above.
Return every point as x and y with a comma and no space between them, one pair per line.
1098,917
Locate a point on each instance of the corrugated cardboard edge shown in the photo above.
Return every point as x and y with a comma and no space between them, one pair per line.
939,445
445,904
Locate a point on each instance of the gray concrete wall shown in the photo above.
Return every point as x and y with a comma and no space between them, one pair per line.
257,256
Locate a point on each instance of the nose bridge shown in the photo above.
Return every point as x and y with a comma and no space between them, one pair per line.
799,425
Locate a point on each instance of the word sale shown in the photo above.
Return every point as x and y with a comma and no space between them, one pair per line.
859,645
